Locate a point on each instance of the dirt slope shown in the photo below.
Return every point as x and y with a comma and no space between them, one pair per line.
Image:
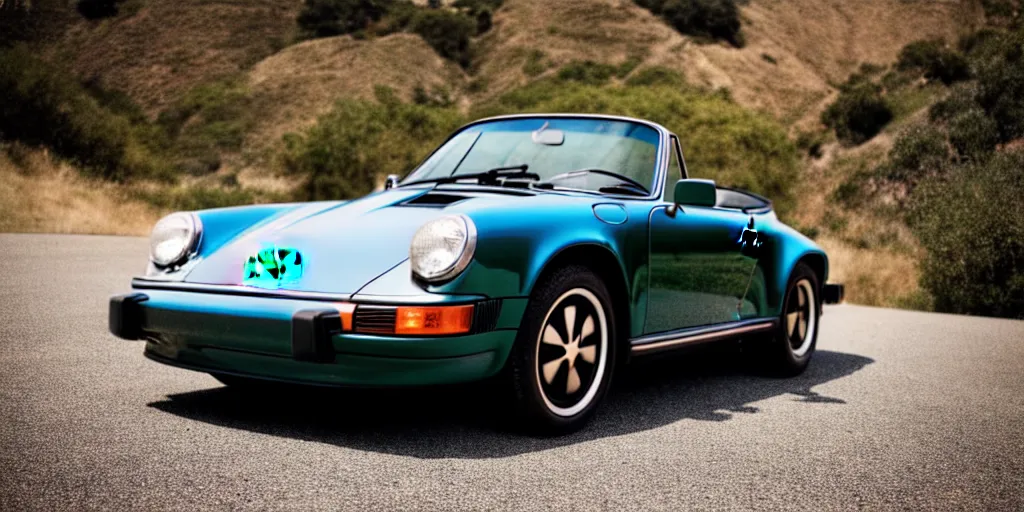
294,86
813,42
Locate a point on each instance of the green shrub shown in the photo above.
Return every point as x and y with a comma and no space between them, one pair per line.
1000,8
919,152
358,142
712,19
535,63
44,106
586,72
935,60
721,140
325,18
975,246
963,98
859,113
97,9
656,75
195,197
1001,93
209,119
973,135
480,10
447,32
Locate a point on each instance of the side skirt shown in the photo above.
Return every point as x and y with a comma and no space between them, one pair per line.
654,343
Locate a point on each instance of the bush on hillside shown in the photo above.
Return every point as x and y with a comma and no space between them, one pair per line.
973,135
209,119
326,18
858,114
1001,93
586,72
447,32
480,10
34,20
975,260
713,19
935,60
656,75
919,152
97,9
721,140
1000,8
43,106
349,149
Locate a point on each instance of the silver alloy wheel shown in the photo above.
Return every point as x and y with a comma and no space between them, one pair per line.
572,352
801,317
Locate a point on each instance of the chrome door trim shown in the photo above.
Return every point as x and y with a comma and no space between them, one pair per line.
662,341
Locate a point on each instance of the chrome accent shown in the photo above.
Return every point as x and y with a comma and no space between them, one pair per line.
655,342
660,164
462,262
230,289
191,249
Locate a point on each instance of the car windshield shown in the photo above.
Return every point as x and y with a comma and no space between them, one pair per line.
552,148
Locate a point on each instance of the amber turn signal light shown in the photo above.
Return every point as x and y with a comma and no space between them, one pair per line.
434,320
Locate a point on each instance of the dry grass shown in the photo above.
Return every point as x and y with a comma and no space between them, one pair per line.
874,277
295,86
44,196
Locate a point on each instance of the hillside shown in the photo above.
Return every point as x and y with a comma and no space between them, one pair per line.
228,79
814,44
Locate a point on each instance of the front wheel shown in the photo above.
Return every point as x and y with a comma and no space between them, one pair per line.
561,364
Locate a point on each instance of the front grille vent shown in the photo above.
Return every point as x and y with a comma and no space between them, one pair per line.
435,200
485,315
375,319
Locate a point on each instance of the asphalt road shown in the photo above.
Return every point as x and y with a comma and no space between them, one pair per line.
897,410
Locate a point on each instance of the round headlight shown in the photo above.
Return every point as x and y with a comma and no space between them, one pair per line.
173,238
442,248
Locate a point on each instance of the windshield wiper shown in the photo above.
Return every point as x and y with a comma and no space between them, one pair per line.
627,190
489,177
630,182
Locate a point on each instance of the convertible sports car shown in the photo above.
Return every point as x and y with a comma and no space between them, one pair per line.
544,251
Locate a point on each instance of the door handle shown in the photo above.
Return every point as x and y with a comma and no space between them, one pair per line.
749,240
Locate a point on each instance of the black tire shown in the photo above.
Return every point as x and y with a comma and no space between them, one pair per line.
787,351
555,389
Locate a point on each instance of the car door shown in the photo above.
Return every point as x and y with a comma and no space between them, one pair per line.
698,270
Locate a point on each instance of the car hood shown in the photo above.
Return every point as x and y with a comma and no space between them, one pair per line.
343,246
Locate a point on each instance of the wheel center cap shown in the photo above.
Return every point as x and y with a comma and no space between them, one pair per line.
572,351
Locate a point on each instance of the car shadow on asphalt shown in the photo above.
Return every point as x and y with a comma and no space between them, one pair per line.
465,421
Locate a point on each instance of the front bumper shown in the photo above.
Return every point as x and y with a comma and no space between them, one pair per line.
303,341
833,293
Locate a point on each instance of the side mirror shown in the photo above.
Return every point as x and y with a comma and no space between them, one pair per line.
390,181
696,192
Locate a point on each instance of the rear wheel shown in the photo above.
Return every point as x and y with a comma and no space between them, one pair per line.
561,364
788,350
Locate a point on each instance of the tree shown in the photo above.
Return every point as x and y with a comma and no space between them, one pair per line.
974,238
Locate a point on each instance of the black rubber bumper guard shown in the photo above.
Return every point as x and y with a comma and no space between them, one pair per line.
312,329
126,315
833,293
